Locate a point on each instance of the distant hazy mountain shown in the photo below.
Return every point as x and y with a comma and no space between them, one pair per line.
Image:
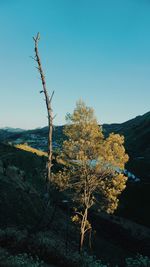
12,130
36,138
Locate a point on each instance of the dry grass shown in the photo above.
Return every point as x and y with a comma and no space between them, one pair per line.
31,149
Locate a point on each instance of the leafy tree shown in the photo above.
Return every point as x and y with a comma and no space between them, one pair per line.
92,166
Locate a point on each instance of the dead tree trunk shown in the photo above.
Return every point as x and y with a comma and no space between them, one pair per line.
48,101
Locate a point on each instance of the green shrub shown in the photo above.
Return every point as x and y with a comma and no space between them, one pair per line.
56,250
20,260
138,261
91,261
12,234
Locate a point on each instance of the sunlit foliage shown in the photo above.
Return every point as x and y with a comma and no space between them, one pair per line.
93,172
31,149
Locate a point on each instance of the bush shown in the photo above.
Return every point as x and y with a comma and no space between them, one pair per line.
54,250
91,261
13,234
20,260
138,261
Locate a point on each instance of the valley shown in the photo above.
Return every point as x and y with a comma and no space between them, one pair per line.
22,202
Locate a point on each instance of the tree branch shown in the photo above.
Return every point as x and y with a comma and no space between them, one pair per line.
48,106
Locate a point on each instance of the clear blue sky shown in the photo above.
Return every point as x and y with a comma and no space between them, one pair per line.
97,50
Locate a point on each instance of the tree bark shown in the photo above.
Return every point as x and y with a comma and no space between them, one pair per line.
90,239
48,101
81,241
83,229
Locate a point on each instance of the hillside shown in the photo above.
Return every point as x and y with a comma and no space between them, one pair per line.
134,202
137,136
36,138
137,143
136,132
38,236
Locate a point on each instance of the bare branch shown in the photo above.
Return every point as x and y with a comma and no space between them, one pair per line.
48,106
51,97
54,116
89,228
33,58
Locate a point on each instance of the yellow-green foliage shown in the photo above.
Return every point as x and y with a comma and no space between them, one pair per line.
113,151
83,133
92,161
31,149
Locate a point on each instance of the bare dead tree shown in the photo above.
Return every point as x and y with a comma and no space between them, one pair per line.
48,101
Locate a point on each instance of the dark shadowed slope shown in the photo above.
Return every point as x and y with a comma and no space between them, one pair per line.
137,143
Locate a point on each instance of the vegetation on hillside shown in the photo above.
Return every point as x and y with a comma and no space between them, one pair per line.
34,236
28,148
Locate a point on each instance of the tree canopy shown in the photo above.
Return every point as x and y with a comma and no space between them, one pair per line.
93,165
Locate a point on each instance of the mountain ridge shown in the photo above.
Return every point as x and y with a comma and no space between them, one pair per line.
136,132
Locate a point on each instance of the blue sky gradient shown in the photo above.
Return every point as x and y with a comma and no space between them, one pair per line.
97,50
